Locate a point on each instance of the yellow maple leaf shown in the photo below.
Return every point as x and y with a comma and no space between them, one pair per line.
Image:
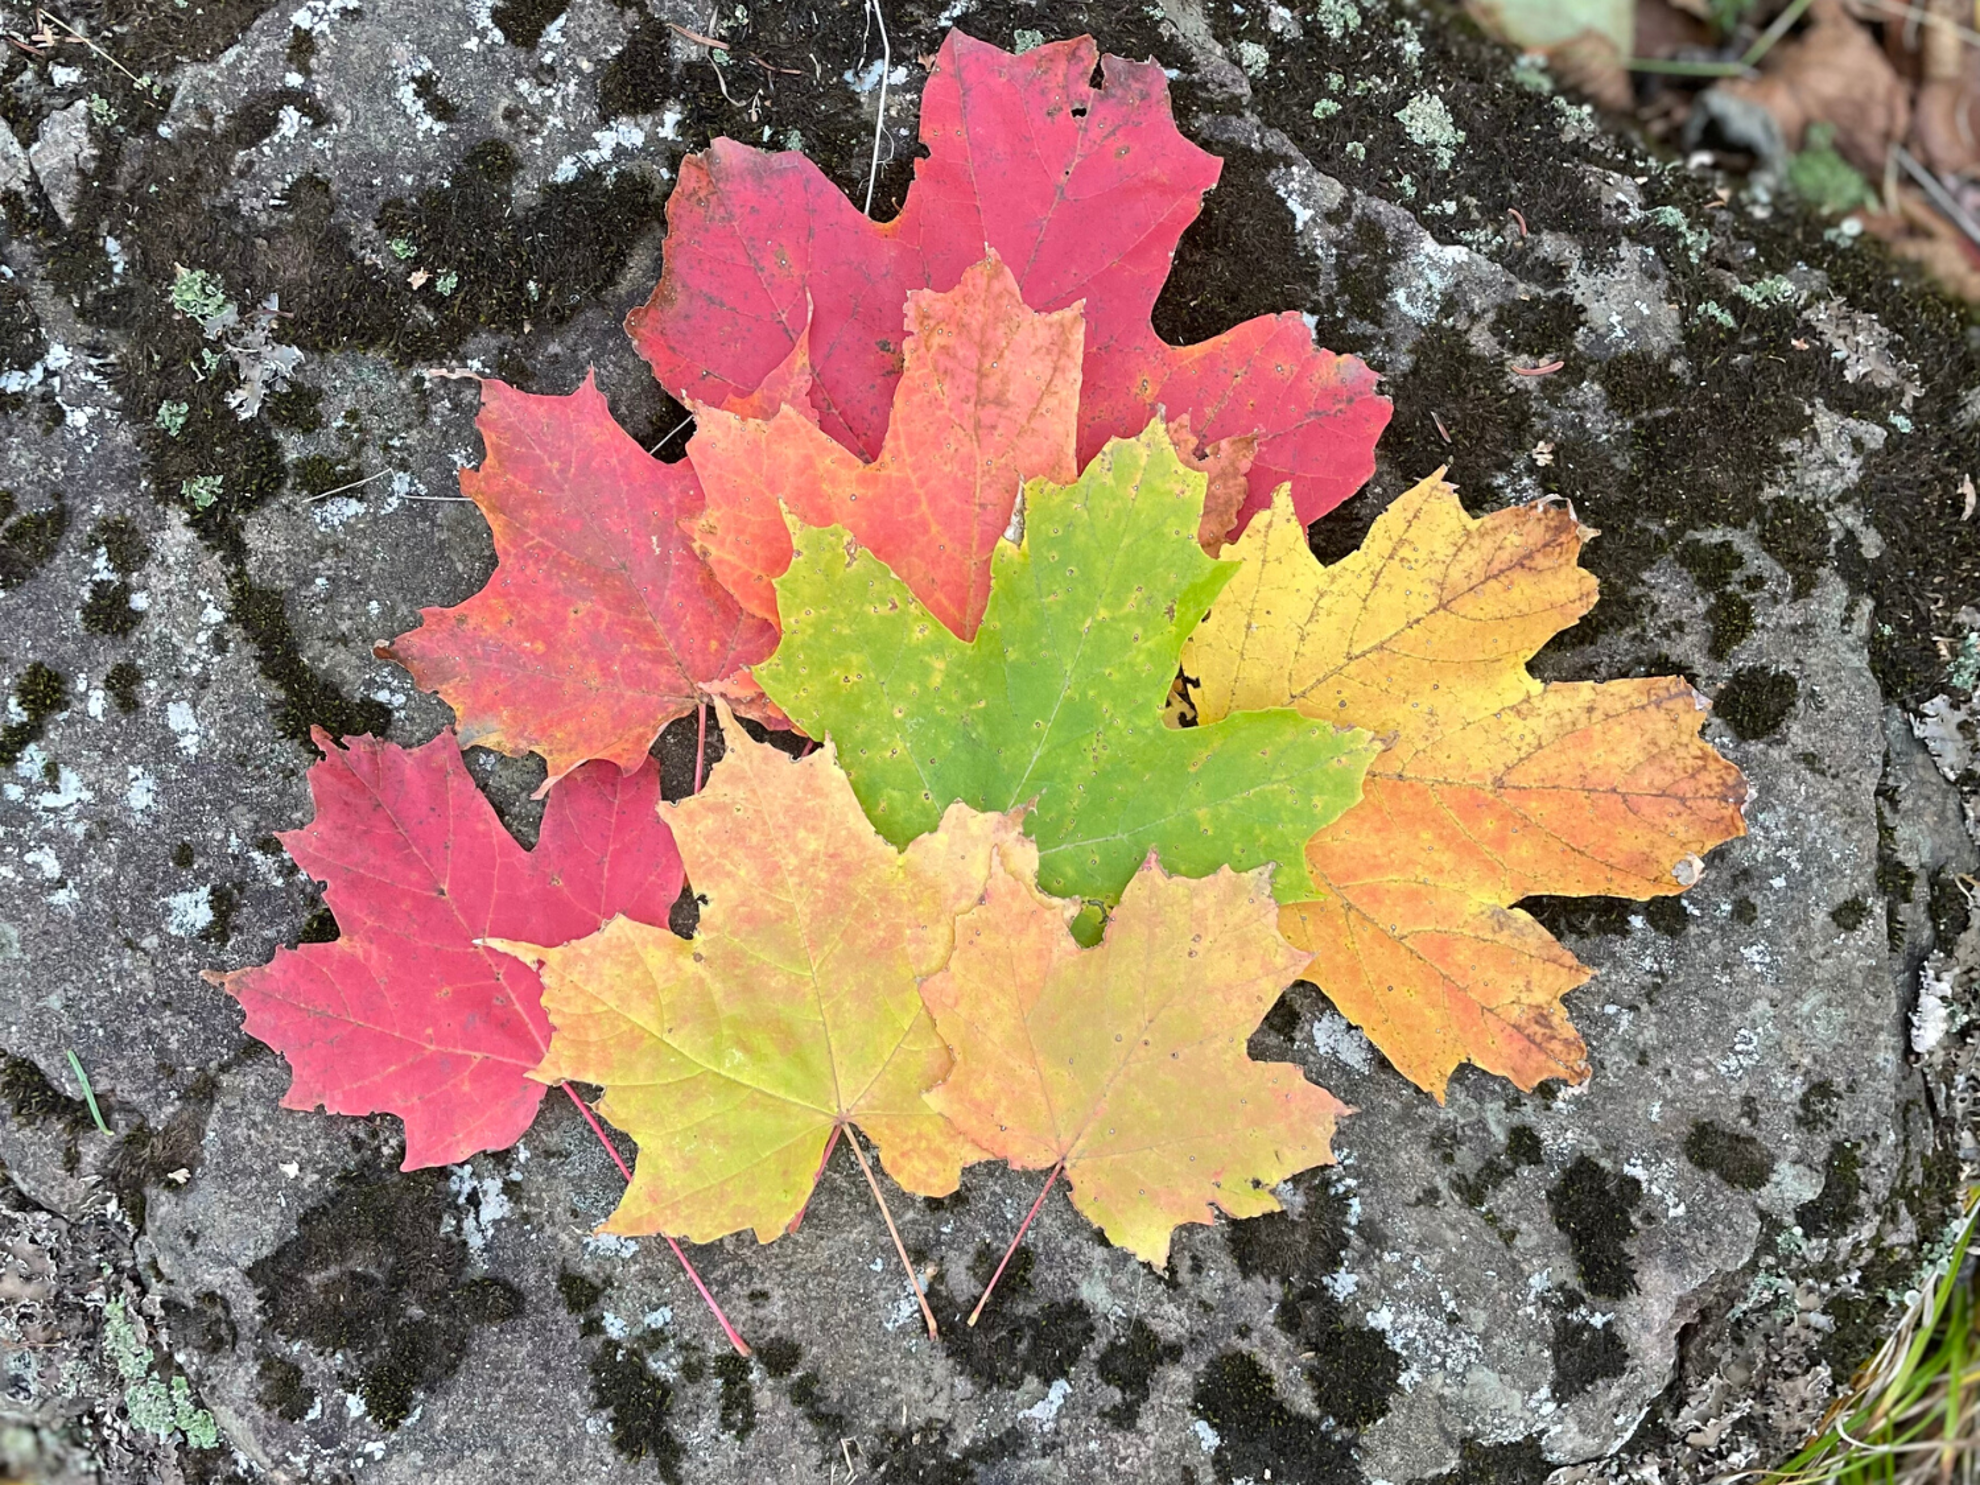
733,1057
1124,1066
1492,787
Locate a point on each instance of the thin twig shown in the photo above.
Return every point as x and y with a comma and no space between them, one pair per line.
88,1093
697,38
700,742
1688,69
914,1279
1918,13
1941,197
351,486
1023,1227
1781,26
45,16
873,171
684,422
742,1346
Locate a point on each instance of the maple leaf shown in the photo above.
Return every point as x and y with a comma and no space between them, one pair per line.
1060,697
1492,787
1084,190
988,399
600,624
1124,1065
734,1057
404,1014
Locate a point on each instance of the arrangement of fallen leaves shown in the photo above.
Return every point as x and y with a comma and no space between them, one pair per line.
1104,758
1867,110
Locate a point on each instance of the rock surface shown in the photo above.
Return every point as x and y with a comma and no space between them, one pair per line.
1662,1270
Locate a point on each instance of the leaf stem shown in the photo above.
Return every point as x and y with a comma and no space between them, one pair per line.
742,1346
914,1279
831,1143
700,741
1023,1227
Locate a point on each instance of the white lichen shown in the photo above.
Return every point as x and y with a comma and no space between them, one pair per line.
1336,1037
1769,291
180,717
1695,239
1427,121
1337,18
190,913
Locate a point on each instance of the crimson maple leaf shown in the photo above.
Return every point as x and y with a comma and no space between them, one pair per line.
1084,191
601,624
404,1013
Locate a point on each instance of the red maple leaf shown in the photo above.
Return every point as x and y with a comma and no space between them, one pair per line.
601,624
1084,191
405,1013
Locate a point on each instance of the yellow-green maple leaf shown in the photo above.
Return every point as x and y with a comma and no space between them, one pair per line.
1057,703
731,1058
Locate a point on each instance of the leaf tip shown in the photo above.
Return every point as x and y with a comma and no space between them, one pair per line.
531,954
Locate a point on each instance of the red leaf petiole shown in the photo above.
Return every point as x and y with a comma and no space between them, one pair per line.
742,1346
831,1143
1023,1227
914,1279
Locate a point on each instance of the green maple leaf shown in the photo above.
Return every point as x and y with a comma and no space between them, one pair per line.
1060,698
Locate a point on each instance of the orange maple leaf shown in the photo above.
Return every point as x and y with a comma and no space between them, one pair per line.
1124,1065
1492,786
988,398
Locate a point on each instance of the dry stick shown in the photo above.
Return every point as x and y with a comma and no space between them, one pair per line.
1023,1227
698,39
742,1346
914,1279
351,486
670,434
45,16
1947,203
873,174
1923,17
1783,23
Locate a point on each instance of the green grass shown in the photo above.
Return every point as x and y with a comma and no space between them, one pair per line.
1912,1413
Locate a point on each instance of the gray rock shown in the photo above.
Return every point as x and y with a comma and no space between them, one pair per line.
63,155
1701,1238
16,174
